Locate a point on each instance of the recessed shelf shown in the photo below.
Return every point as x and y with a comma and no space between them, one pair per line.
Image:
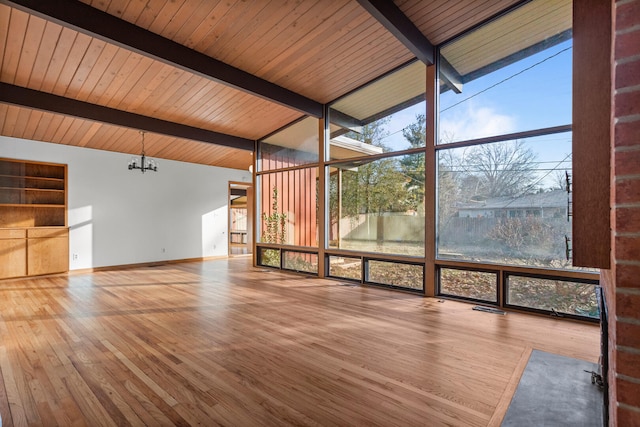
41,178
32,205
31,189
32,194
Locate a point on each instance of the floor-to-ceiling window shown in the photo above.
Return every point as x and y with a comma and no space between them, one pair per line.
476,207
375,168
504,161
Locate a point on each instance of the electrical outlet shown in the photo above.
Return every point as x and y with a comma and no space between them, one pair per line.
163,250
74,257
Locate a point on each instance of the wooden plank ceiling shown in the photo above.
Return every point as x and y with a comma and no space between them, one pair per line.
320,49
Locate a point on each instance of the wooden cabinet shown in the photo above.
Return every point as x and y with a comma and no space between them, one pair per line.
34,239
13,253
47,250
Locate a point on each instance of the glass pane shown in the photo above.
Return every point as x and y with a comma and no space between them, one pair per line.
378,206
384,116
300,261
509,77
345,267
239,221
396,274
469,284
506,202
269,257
562,296
293,146
288,206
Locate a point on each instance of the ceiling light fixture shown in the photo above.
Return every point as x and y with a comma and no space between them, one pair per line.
145,163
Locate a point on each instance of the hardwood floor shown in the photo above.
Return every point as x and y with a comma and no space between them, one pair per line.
223,343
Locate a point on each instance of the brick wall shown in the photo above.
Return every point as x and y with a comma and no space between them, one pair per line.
622,282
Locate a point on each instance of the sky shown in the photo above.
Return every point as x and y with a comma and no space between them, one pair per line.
531,94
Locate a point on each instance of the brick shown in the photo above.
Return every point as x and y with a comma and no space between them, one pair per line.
627,134
607,281
628,306
627,74
627,15
613,358
627,220
628,335
627,104
611,376
627,248
628,364
613,403
625,417
627,190
627,276
627,162
627,45
628,392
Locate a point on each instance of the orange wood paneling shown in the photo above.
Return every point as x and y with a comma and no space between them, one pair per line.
321,49
440,20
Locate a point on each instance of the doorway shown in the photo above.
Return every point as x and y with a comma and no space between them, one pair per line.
240,219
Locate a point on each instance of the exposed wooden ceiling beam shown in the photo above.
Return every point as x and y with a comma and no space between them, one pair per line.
450,75
345,121
95,23
30,98
398,24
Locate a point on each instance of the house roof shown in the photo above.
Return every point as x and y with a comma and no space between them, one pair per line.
205,79
548,199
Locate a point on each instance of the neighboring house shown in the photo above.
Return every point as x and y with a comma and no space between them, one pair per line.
550,204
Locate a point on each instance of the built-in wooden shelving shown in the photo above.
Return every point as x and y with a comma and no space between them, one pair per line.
34,238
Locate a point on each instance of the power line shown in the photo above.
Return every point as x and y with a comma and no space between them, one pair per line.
502,170
487,88
507,78
530,187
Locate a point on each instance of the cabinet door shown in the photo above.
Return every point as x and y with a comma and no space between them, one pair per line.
13,258
47,255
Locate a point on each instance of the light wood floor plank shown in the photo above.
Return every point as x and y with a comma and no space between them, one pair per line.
503,404
223,343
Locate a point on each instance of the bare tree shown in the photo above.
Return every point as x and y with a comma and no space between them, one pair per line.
449,185
503,168
560,180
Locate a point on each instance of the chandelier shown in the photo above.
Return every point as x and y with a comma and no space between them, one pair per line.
144,163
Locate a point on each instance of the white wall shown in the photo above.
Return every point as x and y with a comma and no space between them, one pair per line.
117,216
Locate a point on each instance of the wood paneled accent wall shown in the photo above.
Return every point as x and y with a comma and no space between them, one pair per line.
297,197
591,133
